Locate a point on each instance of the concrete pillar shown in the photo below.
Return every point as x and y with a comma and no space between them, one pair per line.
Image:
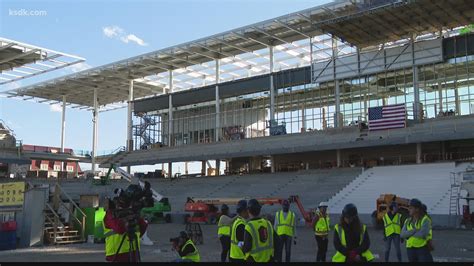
443,150
272,162
76,170
416,90
186,172
218,167
129,144
170,108
457,101
303,118
418,153
95,116
218,106
203,168
338,158
63,130
272,86
170,170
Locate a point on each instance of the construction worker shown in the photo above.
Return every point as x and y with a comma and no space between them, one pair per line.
237,233
258,243
392,229
417,231
187,251
321,225
285,228
430,236
114,230
223,231
351,239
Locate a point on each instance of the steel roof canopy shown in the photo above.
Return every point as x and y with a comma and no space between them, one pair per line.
19,60
241,49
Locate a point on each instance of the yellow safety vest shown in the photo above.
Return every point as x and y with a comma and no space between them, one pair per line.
112,242
392,226
417,242
339,257
430,236
261,251
323,226
194,257
235,251
286,225
223,229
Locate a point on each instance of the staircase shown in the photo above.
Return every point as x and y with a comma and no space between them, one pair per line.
118,155
56,229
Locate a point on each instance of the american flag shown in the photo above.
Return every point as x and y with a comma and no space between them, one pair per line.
387,117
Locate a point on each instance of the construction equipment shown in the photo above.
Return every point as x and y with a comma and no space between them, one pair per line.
205,210
161,204
276,129
383,202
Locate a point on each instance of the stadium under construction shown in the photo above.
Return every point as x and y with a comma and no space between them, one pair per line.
340,102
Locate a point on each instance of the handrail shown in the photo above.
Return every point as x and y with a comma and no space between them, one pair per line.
55,222
84,216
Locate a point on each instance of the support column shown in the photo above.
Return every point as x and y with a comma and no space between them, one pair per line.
186,172
130,121
218,167
272,86
337,91
272,161
418,153
218,109
95,116
338,105
417,110
440,97
170,170
170,108
338,158
457,102
203,168
63,131
303,117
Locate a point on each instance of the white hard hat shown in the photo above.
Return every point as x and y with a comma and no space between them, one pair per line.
323,204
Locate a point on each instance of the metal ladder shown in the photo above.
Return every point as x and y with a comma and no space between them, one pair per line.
454,194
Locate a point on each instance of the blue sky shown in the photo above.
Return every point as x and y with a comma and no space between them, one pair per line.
134,27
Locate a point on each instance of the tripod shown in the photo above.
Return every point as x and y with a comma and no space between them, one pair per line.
133,251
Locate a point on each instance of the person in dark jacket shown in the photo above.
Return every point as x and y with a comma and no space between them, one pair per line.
351,239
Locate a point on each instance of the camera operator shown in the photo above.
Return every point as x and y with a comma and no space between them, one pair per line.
185,248
116,227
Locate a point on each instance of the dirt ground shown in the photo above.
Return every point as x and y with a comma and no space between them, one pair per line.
450,246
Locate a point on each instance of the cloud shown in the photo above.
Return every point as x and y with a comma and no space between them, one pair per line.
115,32
133,38
79,67
112,31
56,108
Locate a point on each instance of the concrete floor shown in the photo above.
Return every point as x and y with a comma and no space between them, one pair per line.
450,246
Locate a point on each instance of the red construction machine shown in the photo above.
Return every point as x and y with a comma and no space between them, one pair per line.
206,210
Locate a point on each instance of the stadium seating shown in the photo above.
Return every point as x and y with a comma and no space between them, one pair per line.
428,182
